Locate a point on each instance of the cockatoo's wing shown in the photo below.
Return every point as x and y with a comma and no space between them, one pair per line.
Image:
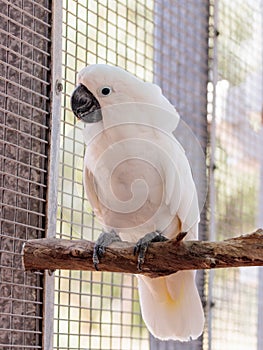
91,192
181,195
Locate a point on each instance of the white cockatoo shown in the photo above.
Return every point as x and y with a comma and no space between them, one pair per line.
139,183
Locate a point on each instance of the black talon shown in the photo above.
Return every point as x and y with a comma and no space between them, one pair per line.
95,266
135,249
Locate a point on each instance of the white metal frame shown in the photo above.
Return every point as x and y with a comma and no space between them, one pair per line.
56,87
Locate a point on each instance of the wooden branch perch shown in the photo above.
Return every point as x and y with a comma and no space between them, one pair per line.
162,258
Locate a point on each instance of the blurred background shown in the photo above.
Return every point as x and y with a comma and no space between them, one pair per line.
207,57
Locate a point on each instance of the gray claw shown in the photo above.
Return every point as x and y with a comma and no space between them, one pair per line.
143,244
141,256
97,253
104,240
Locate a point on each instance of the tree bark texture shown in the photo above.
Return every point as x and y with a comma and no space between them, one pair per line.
162,258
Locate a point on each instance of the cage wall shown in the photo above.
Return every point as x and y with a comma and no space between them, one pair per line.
24,116
235,117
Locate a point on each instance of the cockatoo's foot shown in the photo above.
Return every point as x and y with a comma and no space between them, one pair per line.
104,240
143,243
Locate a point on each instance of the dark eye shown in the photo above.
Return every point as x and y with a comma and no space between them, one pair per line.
106,90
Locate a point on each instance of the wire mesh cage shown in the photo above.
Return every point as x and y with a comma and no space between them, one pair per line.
207,57
24,112
237,154
96,311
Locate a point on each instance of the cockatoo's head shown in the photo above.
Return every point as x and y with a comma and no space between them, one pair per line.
101,85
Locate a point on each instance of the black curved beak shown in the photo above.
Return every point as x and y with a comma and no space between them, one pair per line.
84,105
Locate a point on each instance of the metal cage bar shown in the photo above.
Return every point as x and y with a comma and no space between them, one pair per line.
53,170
